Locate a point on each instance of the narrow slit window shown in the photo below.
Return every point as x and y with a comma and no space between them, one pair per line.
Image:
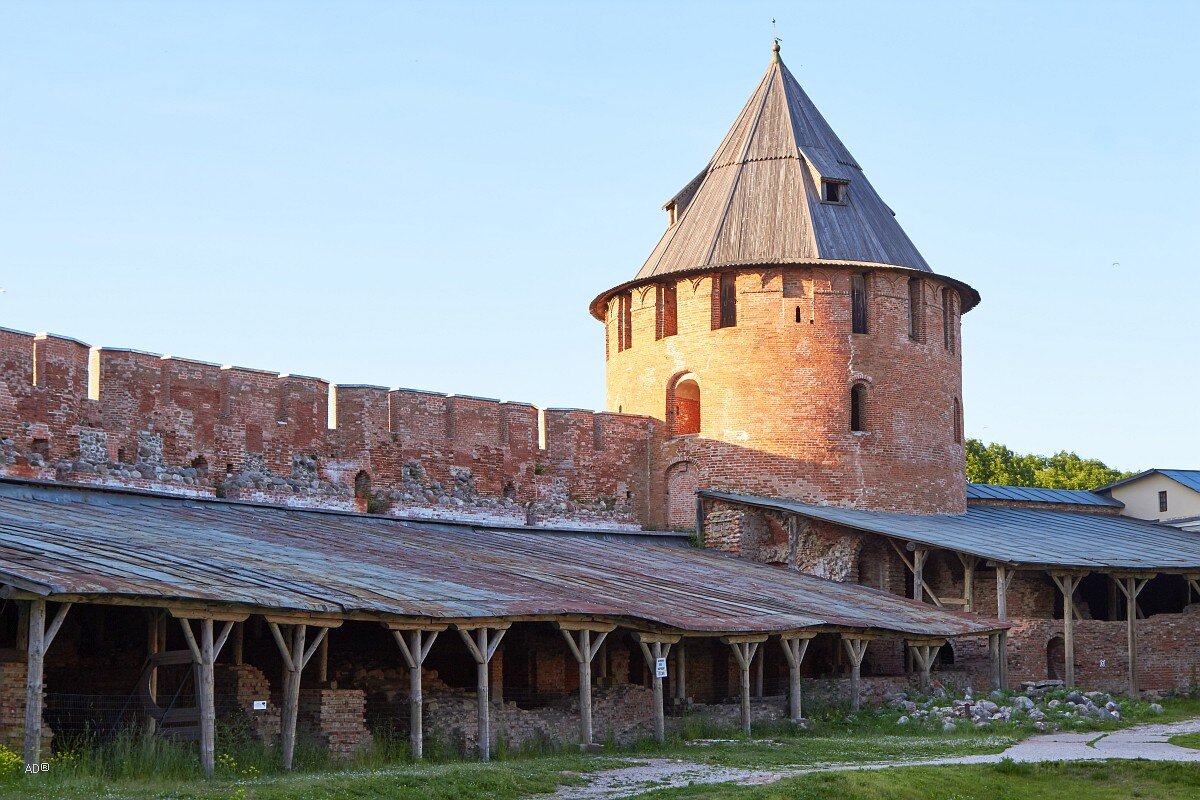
624,322
948,319
666,312
858,407
1162,501
858,302
799,315
727,311
916,311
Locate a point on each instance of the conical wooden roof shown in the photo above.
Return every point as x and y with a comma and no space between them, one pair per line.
759,200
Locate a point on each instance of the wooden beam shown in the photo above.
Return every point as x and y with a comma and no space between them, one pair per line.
920,586
38,640
856,648
655,648
1067,583
681,673
584,644
1004,576
1131,586
744,650
295,656
204,655
414,646
924,652
969,563
794,647
481,642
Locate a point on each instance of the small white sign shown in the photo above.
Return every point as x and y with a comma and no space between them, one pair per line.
260,705
1103,663
660,668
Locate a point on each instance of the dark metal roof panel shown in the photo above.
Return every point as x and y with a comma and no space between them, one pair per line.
1032,536
1033,494
1188,477
74,541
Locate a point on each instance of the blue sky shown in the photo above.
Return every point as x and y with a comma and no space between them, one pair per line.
428,195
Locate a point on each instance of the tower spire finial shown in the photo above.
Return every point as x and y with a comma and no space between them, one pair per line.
776,41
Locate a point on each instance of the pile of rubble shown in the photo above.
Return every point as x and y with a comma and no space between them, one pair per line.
1045,704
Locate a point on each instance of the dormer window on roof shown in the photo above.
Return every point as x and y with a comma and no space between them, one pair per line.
833,191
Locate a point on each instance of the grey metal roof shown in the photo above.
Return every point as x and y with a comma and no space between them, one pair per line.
93,543
1187,477
1034,494
1027,536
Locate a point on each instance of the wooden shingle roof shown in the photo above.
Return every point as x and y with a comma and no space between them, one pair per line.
759,200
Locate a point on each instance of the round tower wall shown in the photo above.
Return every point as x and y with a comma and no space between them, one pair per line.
775,388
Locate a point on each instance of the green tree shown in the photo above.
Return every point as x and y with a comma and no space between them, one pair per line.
995,463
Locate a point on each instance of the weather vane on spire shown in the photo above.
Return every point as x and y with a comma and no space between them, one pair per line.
777,40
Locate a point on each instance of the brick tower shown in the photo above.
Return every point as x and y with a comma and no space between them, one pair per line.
788,333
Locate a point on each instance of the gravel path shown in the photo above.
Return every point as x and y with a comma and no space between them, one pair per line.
1144,741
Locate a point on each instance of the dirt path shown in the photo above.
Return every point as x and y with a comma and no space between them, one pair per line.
1144,741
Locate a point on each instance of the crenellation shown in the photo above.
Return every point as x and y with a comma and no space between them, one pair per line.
124,417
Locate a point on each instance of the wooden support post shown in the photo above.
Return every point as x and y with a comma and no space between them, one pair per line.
916,566
482,644
968,564
40,637
323,661
585,641
1067,583
204,655
681,673
760,658
1003,644
1004,576
856,648
153,648
745,648
414,646
795,645
924,651
239,643
296,656
656,647
919,556
1131,586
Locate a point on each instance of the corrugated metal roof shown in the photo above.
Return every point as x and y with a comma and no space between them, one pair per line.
71,541
1031,536
1033,494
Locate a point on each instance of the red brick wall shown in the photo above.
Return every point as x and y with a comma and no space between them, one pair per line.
125,417
775,393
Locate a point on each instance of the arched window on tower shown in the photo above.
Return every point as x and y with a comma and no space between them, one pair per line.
958,422
858,407
685,407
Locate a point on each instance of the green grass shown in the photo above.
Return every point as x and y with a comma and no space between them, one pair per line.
133,767
1103,780
1191,740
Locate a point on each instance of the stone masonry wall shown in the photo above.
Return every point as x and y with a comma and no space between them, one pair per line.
117,417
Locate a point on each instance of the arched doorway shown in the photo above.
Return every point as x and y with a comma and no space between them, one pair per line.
683,479
1056,659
